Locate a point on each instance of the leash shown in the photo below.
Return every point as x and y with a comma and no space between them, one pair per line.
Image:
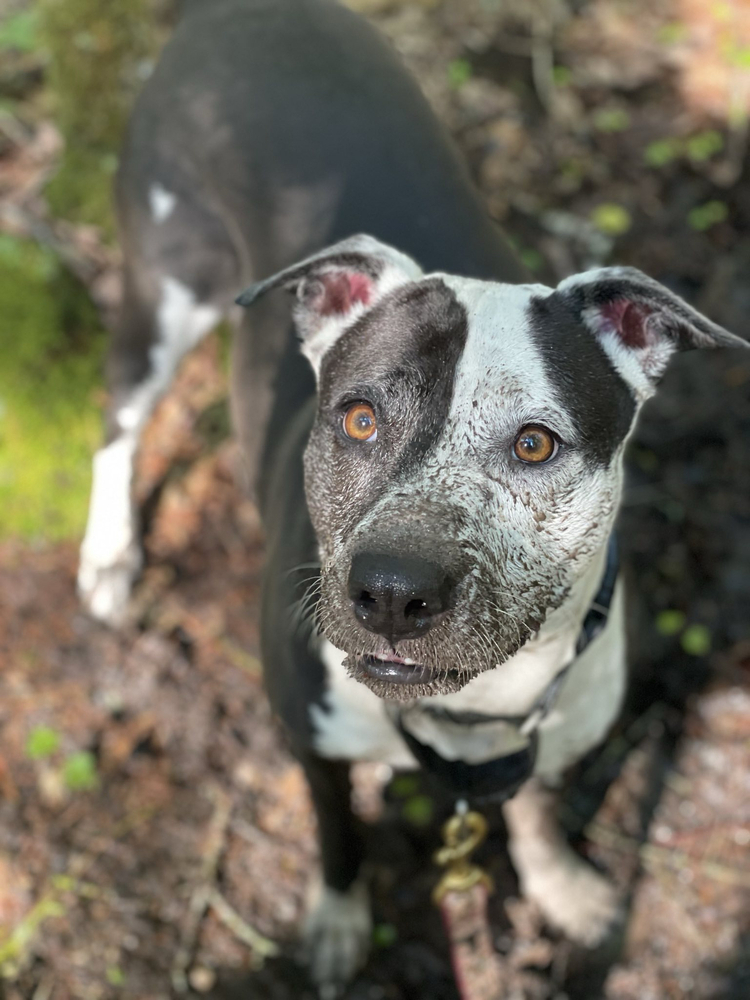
461,895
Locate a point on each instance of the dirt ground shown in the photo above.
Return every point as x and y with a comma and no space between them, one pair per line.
156,838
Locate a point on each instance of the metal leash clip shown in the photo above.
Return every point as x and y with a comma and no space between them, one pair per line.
462,834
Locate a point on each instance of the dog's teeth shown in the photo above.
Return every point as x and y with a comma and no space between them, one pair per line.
409,663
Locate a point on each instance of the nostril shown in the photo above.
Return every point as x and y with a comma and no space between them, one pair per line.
366,600
415,609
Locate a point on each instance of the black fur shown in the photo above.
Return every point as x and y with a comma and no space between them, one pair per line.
601,404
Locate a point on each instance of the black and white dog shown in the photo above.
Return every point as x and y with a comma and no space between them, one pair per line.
439,474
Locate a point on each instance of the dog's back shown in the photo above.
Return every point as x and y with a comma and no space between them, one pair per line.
295,124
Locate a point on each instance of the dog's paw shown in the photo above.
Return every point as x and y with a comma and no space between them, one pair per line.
575,899
104,589
337,933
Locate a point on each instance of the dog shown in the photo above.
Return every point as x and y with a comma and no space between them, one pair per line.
438,468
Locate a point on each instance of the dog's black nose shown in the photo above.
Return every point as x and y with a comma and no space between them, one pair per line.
398,597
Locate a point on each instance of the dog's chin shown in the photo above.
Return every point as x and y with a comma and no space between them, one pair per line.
401,679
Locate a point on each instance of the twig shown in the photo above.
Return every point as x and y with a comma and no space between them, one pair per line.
543,63
199,899
262,946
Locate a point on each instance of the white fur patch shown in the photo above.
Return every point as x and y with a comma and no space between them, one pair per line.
109,528
110,553
572,896
589,700
357,725
110,556
338,932
354,724
501,371
182,324
162,203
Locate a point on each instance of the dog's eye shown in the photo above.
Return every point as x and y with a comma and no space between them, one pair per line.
535,444
360,423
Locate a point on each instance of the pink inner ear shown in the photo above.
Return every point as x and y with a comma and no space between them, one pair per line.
342,290
629,321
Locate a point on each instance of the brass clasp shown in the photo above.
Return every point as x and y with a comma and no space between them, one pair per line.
462,834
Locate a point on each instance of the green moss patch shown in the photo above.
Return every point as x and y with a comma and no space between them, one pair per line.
97,55
50,359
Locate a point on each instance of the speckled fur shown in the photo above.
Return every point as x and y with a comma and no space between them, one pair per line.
516,536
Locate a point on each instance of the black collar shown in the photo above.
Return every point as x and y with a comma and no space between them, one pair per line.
501,777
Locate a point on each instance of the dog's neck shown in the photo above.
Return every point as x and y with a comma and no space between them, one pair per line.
513,687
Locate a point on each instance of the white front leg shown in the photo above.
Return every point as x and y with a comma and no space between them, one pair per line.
571,894
111,555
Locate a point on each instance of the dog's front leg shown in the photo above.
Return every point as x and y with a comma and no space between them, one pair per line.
573,897
338,927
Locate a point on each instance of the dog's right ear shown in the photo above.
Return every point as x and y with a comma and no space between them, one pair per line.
335,287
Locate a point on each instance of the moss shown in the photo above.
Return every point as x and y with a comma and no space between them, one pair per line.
81,190
50,360
97,56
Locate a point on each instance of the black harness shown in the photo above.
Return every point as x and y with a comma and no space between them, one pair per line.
501,777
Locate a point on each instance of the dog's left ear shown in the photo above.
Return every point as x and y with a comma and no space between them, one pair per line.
639,322
335,287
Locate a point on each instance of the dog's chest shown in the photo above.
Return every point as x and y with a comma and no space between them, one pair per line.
352,723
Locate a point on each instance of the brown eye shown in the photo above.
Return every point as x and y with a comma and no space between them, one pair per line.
535,444
360,423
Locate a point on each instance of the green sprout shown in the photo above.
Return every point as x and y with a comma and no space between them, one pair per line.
611,219
704,145
611,120
459,73
696,640
670,622
79,772
42,742
702,217
661,152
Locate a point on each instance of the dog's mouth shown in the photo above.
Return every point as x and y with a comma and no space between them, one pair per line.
401,678
396,669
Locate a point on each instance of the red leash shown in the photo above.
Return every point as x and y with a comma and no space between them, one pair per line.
461,894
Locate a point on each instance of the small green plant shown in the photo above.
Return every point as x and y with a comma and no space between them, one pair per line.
611,218
704,145
702,217
20,32
42,742
384,935
418,810
531,258
459,73
561,76
115,976
79,772
671,34
670,622
404,785
696,640
662,152
739,56
611,120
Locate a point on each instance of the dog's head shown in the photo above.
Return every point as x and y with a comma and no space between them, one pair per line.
464,470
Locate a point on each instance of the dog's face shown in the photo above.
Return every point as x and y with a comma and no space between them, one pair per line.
464,470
